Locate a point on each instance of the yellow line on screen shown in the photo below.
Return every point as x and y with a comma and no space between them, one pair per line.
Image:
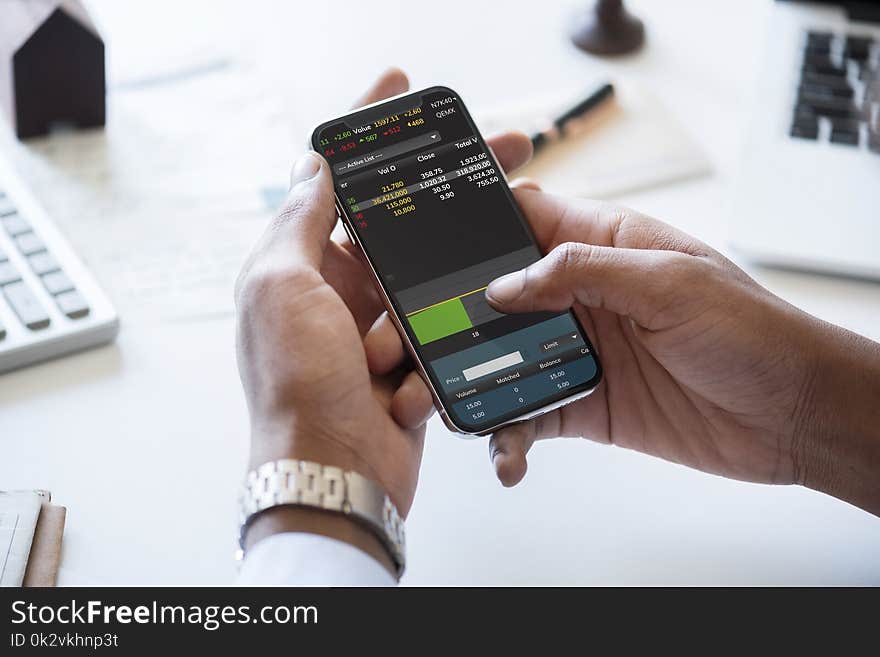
434,305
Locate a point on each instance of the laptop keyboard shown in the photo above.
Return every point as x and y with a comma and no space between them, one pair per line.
838,97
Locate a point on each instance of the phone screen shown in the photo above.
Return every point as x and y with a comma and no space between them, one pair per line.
431,208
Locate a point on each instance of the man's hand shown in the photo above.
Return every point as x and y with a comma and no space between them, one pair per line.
304,305
703,366
309,322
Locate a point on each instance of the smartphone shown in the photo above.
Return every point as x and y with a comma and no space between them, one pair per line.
421,194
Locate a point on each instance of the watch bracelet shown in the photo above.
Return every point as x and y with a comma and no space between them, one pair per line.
292,482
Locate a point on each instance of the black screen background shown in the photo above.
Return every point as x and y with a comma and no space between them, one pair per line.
440,237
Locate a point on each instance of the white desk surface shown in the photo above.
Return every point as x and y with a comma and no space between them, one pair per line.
145,441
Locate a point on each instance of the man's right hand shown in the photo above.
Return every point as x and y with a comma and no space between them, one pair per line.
703,366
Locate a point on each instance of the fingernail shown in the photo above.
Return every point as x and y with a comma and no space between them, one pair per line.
306,167
507,288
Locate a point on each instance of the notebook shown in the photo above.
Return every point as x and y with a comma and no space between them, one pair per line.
19,511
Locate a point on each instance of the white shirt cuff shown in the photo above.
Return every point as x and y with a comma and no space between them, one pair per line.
302,559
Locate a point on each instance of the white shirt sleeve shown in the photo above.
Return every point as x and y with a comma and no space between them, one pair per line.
302,559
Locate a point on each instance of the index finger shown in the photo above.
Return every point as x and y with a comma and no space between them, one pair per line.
511,149
391,83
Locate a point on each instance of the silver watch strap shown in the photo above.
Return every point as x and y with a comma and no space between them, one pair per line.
304,483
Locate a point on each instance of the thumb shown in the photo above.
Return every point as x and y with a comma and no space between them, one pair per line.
302,228
638,283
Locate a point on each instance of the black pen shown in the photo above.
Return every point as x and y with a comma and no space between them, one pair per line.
584,107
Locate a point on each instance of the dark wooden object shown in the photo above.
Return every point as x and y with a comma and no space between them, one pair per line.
608,29
51,66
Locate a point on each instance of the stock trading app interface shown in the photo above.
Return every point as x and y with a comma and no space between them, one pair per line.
434,213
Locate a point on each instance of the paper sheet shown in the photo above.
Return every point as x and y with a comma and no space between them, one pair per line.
165,203
631,144
19,511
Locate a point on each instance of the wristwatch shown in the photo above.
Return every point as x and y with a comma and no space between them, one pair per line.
290,482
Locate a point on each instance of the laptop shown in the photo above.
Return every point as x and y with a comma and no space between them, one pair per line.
807,194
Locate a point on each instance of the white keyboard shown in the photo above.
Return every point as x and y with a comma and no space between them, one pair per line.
49,303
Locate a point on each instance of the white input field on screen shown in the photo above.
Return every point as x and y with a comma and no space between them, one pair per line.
494,365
